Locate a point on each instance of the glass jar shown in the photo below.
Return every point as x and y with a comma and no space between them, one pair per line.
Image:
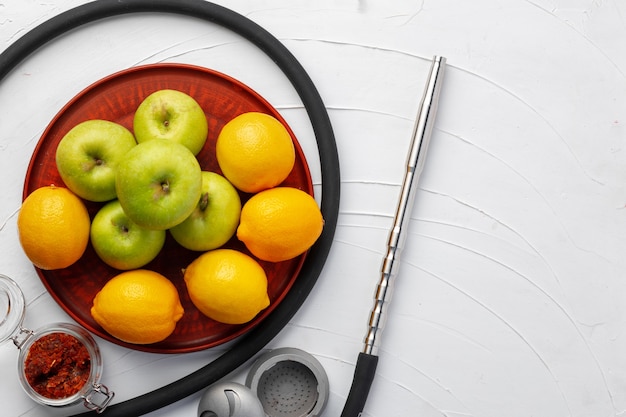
60,363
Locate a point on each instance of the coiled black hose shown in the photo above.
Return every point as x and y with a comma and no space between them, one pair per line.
252,342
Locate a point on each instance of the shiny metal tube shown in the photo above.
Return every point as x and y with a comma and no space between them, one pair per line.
367,362
415,163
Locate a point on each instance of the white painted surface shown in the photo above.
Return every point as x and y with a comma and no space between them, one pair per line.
510,296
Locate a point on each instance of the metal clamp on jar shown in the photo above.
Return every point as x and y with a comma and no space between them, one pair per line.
59,364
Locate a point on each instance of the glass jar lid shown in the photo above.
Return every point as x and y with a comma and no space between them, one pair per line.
12,308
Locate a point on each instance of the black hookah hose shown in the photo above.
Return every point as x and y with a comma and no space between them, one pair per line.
252,342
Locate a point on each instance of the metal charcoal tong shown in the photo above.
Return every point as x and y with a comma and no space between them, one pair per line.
367,361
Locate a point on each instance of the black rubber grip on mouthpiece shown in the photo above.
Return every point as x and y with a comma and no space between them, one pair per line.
364,373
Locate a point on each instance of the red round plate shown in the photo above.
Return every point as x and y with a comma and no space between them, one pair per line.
115,98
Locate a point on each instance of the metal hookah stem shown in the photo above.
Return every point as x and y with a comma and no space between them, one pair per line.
367,361
397,236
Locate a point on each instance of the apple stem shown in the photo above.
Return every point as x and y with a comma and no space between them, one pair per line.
204,201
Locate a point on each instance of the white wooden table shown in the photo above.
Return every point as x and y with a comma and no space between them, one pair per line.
510,299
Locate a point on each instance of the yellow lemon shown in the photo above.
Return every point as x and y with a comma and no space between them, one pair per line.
255,152
227,286
138,306
53,227
280,223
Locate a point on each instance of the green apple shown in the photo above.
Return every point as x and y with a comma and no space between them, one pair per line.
120,242
158,183
87,157
215,218
174,115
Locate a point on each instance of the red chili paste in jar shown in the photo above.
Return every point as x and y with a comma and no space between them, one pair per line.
57,365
